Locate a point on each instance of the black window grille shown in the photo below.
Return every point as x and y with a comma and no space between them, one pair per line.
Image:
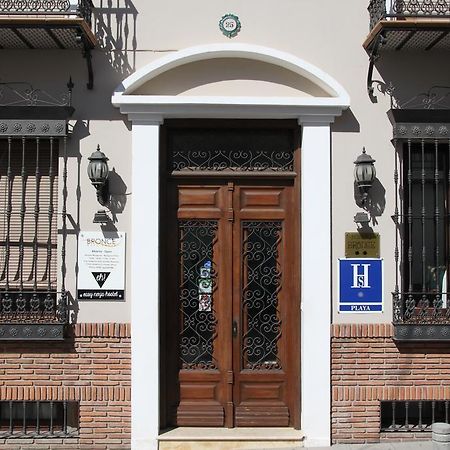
412,416
38,419
28,231
422,219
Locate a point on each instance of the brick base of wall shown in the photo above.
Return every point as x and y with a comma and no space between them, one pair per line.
368,367
92,367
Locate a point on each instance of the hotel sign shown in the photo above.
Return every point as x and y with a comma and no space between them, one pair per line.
101,263
360,285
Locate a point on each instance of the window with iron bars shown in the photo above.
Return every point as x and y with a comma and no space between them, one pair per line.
412,416
38,419
28,237
422,211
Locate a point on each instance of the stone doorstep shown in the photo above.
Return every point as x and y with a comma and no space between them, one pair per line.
187,438
227,445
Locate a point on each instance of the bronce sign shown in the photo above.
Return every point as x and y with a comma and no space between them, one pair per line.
362,245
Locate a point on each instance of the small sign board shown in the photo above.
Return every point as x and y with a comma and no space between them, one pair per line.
362,245
360,285
101,263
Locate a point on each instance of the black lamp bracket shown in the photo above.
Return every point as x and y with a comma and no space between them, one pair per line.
103,193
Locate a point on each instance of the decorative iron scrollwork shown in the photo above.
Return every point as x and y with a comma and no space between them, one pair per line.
196,289
261,285
235,161
29,307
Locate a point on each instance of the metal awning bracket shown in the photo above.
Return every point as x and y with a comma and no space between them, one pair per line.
374,55
88,57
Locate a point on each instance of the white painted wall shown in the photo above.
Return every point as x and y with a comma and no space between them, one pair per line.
145,286
316,281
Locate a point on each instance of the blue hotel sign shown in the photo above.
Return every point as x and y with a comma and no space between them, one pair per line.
360,285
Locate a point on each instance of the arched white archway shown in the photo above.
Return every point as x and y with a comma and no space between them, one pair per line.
314,114
245,51
165,106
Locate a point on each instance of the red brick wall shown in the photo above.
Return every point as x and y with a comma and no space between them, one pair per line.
92,367
368,366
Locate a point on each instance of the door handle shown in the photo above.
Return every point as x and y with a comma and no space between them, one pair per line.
234,328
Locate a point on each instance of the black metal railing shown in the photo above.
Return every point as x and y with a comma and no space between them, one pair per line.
38,419
77,8
33,307
421,308
401,9
412,416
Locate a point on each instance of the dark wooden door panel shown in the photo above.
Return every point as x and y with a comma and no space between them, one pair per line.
200,202
262,416
201,305
265,305
201,400
237,301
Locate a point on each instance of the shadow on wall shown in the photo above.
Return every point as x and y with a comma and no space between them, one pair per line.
407,81
116,203
118,194
79,131
115,29
346,123
375,203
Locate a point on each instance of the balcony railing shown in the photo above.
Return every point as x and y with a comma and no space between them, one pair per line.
76,8
421,316
403,9
32,315
49,24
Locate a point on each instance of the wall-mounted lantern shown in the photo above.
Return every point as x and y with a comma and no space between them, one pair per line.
98,172
364,174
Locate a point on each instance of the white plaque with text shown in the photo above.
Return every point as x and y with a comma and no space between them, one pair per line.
101,265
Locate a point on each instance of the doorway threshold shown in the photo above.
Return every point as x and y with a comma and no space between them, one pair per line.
199,438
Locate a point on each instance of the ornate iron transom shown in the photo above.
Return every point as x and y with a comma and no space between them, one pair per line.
196,287
231,150
261,285
238,160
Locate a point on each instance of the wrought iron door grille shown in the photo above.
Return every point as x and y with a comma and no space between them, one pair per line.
261,286
38,419
198,280
412,416
422,180
240,151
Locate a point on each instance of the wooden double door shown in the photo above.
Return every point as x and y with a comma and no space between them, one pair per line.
232,304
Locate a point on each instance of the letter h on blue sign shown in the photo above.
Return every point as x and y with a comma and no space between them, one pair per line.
360,282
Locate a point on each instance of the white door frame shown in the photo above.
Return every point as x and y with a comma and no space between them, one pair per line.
314,114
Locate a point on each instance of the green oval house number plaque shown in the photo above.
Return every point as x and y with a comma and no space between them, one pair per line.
230,25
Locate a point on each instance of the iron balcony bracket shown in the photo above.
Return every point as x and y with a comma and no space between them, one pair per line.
374,55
